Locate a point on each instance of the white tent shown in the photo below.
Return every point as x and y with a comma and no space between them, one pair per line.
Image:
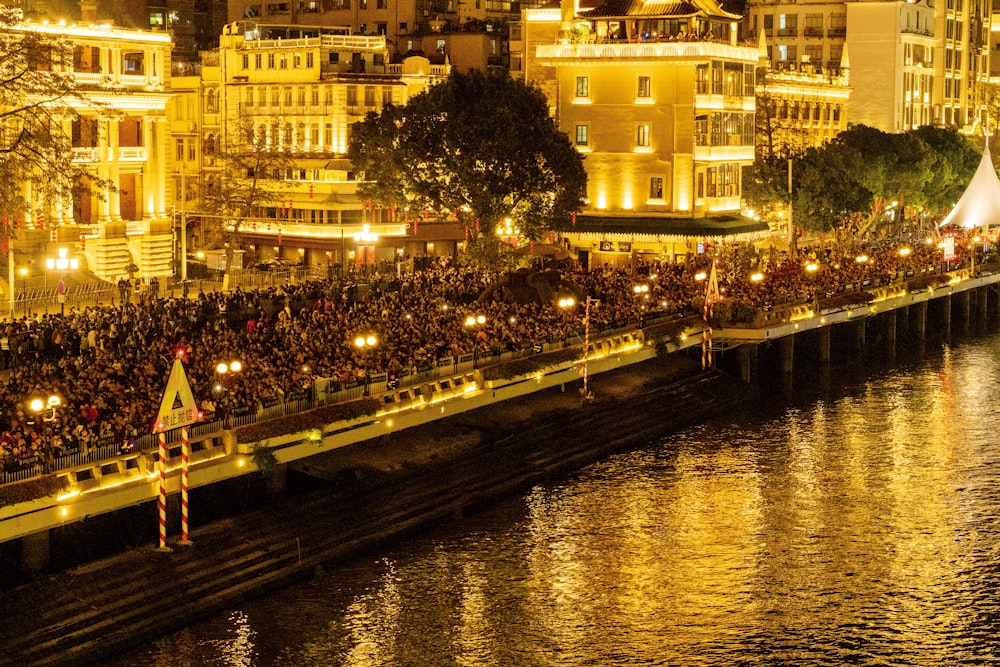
979,205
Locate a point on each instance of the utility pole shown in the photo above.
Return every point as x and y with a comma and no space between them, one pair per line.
184,261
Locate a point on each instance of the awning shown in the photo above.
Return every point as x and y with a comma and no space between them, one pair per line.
339,164
724,225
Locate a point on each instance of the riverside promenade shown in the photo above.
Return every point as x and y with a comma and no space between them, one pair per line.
401,482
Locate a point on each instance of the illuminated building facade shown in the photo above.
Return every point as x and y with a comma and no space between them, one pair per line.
303,86
801,107
120,131
462,33
912,63
661,105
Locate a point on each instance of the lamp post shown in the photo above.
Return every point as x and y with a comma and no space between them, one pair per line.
62,264
365,344
475,321
222,370
46,409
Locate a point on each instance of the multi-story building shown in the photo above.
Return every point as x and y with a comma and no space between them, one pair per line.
463,34
799,107
662,105
119,129
912,63
303,86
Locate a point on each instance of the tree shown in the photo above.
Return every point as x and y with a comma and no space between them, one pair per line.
252,178
480,146
38,94
865,178
955,161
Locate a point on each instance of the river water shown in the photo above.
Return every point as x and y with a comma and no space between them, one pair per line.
851,517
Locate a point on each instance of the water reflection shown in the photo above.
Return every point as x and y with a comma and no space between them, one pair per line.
858,526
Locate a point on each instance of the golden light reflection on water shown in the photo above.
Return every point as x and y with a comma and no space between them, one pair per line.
862,528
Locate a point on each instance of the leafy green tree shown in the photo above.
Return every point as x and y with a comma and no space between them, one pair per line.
855,181
480,146
955,159
252,177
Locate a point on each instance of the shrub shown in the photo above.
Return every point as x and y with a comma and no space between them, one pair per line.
315,418
32,489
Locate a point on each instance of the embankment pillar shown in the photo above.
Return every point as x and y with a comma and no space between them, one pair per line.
35,551
919,319
747,355
786,349
889,329
860,329
982,305
964,309
825,336
944,312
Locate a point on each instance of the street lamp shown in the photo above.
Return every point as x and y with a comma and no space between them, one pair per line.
225,367
364,345
476,321
46,409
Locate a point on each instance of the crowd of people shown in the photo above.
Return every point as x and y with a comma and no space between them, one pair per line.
109,364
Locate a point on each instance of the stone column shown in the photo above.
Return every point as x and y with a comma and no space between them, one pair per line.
114,153
161,131
964,308
149,186
103,168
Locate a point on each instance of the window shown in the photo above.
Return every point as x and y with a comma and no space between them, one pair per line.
258,59
283,61
302,97
815,53
701,79
717,71
369,96
642,135
249,97
270,61
582,86
328,95
288,96
212,102
132,63
381,4
656,187
179,152
352,96
314,96
246,61
768,22
582,135
386,96
643,90
297,60
814,25
309,59
787,53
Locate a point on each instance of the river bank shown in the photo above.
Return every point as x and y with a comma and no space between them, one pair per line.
382,489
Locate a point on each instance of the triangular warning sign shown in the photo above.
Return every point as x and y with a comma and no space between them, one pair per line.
177,407
712,292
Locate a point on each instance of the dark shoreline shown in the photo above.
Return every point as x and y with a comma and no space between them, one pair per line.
382,491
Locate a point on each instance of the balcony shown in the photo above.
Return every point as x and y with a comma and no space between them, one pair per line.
837,32
132,154
813,32
788,32
85,154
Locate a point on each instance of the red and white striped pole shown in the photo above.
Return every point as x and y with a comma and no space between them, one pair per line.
162,504
185,452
